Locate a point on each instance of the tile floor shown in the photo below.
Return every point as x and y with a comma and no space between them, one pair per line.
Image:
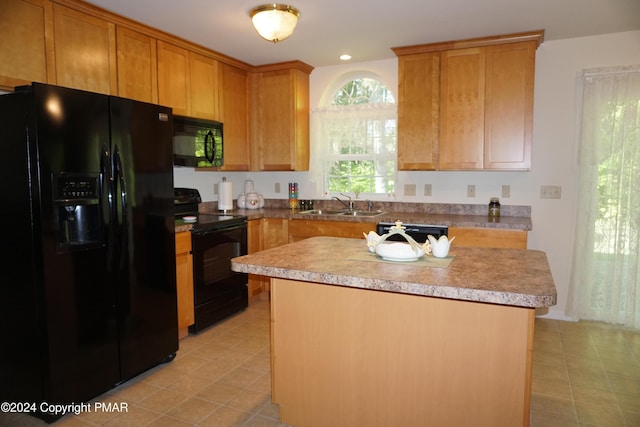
584,374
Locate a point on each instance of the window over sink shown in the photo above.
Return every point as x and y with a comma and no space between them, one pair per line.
354,138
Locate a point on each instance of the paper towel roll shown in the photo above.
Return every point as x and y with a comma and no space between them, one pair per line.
225,195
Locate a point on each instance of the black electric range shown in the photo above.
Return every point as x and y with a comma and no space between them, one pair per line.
186,202
218,291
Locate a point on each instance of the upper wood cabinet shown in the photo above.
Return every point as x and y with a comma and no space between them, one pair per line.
418,111
203,72
281,138
137,66
187,82
468,104
26,42
508,115
234,114
85,51
173,78
462,109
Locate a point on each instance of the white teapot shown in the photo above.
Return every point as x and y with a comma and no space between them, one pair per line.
440,247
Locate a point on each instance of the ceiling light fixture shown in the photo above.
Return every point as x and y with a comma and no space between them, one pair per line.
274,22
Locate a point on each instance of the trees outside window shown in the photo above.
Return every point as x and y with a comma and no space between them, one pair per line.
355,139
605,282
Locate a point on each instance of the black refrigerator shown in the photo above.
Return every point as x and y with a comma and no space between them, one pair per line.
87,277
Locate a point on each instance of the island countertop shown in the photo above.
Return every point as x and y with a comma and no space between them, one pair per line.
512,277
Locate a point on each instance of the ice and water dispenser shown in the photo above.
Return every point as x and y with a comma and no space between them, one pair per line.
78,211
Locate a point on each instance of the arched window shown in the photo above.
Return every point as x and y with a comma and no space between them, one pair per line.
354,139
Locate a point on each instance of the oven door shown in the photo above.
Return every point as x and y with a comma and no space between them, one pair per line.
218,291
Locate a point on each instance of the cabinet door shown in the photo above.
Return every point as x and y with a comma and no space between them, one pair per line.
85,49
184,281
204,86
489,237
418,111
173,78
26,43
234,114
276,130
509,106
300,229
275,232
137,66
283,120
462,109
254,244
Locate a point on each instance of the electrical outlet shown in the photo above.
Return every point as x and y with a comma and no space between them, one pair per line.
550,191
471,191
427,190
277,188
506,191
215,189
409,189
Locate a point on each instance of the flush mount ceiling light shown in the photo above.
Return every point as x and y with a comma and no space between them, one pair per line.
274,22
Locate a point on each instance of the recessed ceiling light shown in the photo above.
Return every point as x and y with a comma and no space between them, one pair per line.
345,57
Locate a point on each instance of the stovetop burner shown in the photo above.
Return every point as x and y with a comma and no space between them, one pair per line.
186,205
206,222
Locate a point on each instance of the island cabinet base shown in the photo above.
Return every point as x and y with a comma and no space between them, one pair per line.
354,357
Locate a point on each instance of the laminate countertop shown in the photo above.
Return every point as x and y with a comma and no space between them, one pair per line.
514,277
458,219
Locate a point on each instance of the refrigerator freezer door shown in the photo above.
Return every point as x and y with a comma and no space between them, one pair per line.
78,297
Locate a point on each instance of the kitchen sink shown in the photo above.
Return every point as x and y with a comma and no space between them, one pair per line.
341,212
362,213
322,212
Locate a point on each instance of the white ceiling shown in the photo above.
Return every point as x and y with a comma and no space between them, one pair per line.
367,29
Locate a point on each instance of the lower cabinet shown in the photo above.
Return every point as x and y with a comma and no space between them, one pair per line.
265,233
489,237
184,282
300,229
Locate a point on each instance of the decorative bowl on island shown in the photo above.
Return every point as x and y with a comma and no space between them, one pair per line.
396,251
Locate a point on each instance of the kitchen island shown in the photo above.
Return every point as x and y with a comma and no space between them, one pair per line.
356,340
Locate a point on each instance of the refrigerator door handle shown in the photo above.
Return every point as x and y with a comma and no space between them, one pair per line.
119,176
106,189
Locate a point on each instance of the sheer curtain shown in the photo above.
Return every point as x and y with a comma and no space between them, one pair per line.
605,278
336,127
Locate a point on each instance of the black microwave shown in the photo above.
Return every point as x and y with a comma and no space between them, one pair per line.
197,142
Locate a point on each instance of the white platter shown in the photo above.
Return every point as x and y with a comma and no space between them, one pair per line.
189,218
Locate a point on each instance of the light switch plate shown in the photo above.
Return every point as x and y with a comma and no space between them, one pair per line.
471,191
550,191
215,189
427,190
277,188
506,191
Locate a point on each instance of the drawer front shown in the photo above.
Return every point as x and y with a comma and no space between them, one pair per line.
183,242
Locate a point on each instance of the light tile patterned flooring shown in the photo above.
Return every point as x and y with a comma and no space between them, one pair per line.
584,374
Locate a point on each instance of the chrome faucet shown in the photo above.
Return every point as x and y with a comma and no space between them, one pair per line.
348,205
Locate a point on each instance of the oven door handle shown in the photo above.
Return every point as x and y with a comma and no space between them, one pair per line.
216,230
